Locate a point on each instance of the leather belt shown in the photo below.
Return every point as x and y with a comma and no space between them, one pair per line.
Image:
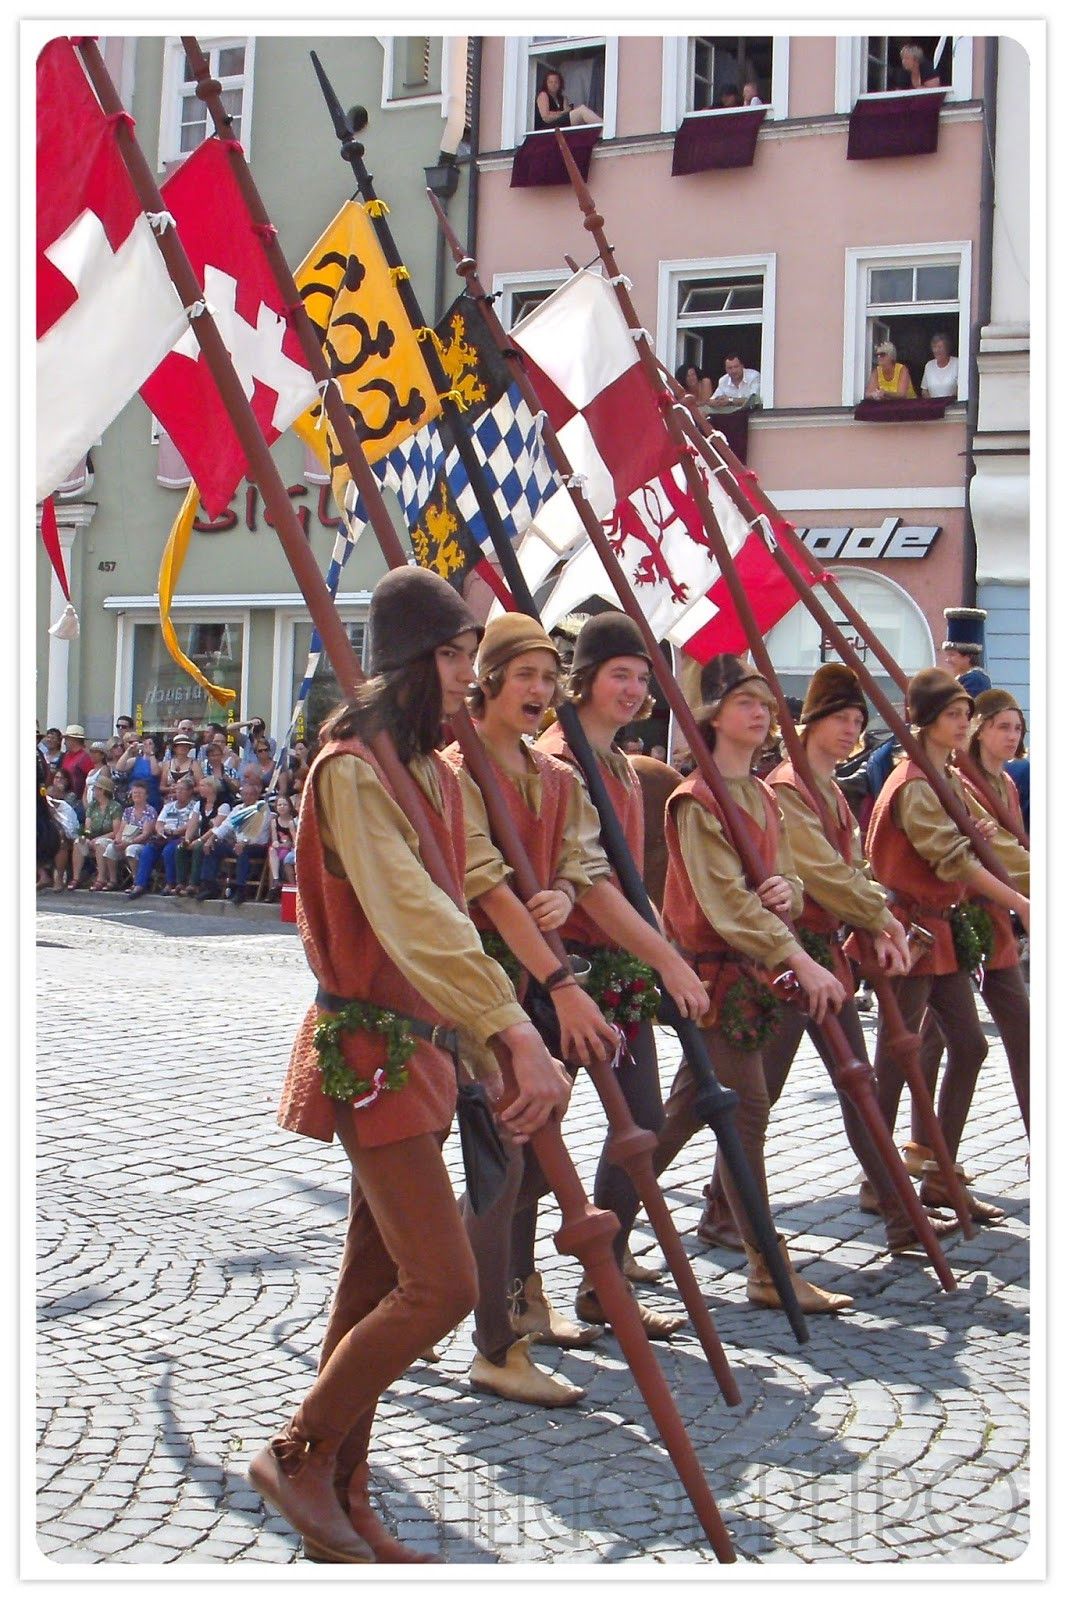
435,1033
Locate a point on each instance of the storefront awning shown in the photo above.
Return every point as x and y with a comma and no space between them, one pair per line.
890,410
898,123
538,160
707,140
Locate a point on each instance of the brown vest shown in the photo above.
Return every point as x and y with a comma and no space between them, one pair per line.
541,834
686,921
1005,948
814,916
346,957
918,895
628,803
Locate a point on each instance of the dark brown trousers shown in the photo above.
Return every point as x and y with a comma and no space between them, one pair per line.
741,1070
1007,999
950,999
407,1278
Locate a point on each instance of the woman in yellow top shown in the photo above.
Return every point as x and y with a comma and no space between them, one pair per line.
890,377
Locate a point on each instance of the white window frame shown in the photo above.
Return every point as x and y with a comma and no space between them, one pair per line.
391,102
192,610
670,275
858,261
354,608
845,573
851,66
170,98
516,50
675,81
504,285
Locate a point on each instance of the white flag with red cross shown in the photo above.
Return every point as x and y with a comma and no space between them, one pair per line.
107,311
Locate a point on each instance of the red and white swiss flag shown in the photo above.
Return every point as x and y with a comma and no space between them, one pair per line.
219,237
106,309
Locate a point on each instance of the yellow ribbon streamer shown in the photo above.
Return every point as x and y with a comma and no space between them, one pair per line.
177,547
376,208
399,274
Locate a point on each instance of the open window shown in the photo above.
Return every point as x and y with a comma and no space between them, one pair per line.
184,122
699,71
870,64
725,72
587,63
904,296
709,310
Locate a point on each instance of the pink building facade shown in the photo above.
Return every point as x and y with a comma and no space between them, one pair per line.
858,220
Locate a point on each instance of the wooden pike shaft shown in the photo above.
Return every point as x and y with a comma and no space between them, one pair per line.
743,499
586,1231
630,1146
854,1076
691,1039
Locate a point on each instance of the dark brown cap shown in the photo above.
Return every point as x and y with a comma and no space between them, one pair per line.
930,692
834,687
606,636
412,611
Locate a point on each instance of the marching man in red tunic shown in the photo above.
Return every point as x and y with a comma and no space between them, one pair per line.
733,936
518,680
389,948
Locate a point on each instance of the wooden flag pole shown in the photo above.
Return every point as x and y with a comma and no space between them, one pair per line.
714,1103
784,531
856,1078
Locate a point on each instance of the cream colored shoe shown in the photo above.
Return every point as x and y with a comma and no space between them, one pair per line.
541,1321
762,1291
637,1272
657,1324
518,1379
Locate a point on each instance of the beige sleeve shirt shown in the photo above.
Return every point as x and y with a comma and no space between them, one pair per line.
582,859
843,890
937,840
735,911
434,944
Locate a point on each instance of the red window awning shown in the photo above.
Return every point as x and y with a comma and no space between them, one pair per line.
892,410
538,160
903,123
707,140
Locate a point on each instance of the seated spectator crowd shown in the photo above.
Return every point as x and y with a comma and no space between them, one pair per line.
172,812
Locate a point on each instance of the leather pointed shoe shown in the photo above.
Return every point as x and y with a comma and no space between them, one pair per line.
656,1324
518,1379
295,1476
540,1320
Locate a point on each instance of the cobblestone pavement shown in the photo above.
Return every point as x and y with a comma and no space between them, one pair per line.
186,1252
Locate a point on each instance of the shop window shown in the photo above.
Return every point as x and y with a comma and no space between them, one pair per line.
164,691
412,68
184,121
325,693
905,297
797,647
712,310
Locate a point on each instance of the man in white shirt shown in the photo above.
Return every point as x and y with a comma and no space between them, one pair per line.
248,843
940,380
739,385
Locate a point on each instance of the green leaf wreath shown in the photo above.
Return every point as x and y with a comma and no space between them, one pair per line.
501,951
973,933
749,1013
817,946
624,988
339,1082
